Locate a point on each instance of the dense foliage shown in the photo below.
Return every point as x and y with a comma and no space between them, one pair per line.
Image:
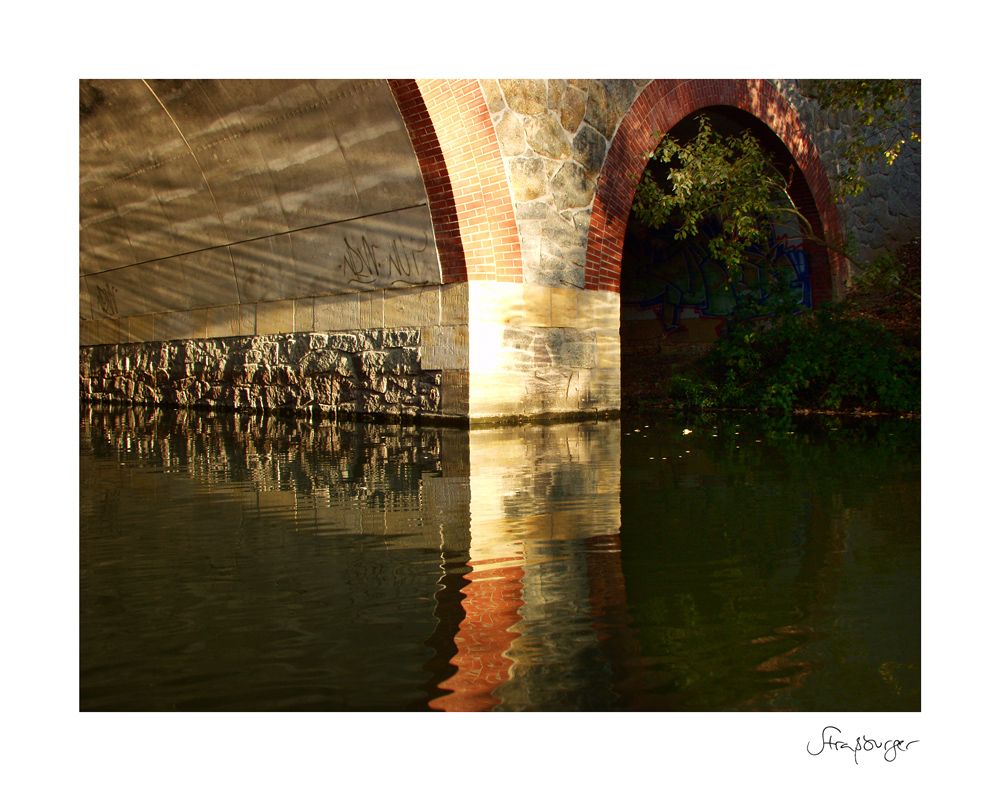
823,359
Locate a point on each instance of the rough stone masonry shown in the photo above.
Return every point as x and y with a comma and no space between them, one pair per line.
365,372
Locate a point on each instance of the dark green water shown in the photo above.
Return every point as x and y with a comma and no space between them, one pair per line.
248,563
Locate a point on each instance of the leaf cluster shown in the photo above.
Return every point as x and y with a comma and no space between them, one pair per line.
730,179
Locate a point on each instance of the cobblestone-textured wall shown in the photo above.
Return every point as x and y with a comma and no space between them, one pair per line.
886,214
554,137
367,372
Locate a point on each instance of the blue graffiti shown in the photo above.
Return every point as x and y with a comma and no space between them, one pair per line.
671,278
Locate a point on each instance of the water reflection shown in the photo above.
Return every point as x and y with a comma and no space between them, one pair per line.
783,572
246,562
543,498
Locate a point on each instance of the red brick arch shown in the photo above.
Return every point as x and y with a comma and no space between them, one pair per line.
469,199
657,109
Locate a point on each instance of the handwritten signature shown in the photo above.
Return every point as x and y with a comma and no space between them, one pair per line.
892,747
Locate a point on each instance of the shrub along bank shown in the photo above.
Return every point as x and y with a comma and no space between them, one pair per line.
862,355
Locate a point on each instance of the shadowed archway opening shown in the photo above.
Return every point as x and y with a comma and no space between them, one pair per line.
676,297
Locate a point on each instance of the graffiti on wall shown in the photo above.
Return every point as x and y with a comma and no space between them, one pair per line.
676,282
368,263
107,299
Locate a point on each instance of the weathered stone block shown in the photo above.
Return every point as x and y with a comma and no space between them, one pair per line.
327,361
571,188
537,305
564,307
550,390
372,364
572,109
140,329
350,341
495,393
556,88
607,102
546,137
401,361
323,390
528,178
372,309
520,338
290,348
495,303
455,303
589,149
396,337
455,393
446,348
537,210
242,374
276,317
609,349
221,322
603,389
412,307
377,383
552,272
337,312
186,324
604,308
548,347
579,349
107,331
492,94
525,96
511,135
88,333
304,315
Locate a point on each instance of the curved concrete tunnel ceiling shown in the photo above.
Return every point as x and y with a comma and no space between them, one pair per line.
204,193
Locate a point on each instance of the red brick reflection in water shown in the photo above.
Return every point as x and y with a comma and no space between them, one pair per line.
492,600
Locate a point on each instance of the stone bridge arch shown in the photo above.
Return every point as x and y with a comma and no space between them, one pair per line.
660,106
217,219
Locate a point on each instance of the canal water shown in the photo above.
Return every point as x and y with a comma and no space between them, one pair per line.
233,562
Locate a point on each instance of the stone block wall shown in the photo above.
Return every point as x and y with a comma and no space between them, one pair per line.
367,372
537,350
478,351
